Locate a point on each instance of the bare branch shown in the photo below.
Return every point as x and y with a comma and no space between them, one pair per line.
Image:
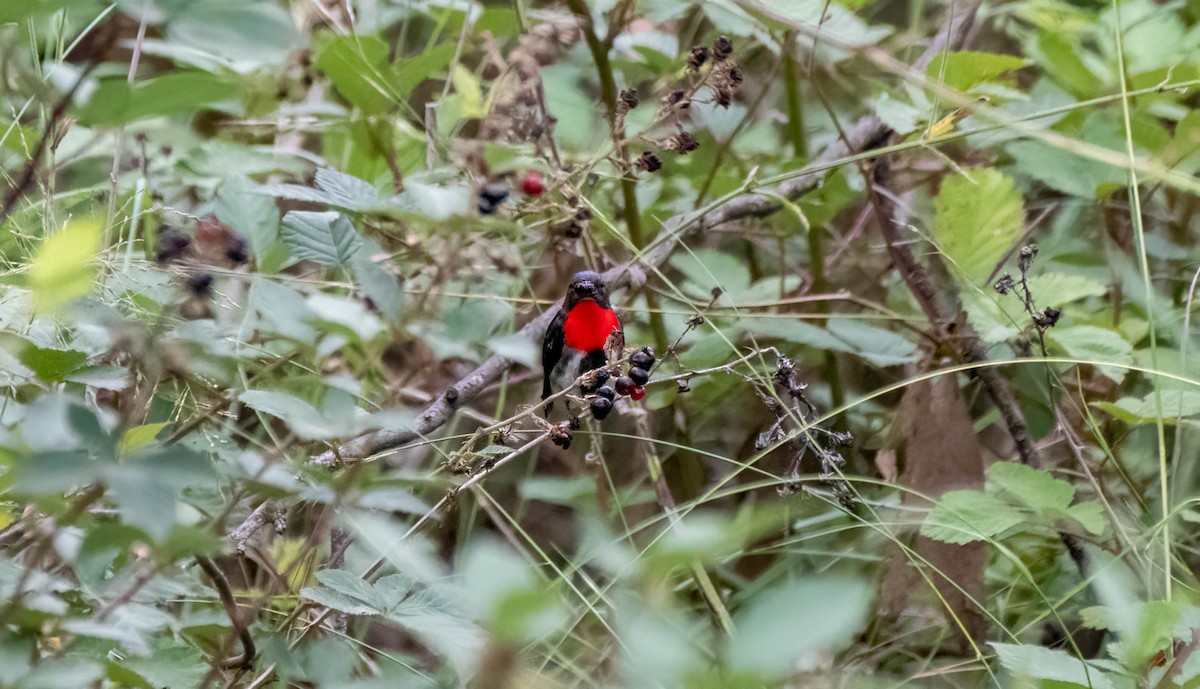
867,134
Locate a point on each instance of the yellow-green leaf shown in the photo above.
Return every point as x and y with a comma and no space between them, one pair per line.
467,86
978,216
138,437
65,265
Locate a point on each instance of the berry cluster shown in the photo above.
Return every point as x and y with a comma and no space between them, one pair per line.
629,385
212,244
492,194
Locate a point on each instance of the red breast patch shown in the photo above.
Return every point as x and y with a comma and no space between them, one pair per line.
589,325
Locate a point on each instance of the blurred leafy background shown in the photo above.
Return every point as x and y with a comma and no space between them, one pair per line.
919,277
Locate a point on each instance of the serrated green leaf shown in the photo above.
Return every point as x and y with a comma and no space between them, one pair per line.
336,600
1037,662
963,70
1093,345
1064,171
964,516
327,238
1134,411
880,347
797,332
355,65
251,214
1090,515
978,216
381,286
52,365
303,419
1037,489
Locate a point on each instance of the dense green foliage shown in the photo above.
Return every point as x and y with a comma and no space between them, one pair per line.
918,276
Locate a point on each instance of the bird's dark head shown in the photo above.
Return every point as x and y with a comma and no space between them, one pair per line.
586,285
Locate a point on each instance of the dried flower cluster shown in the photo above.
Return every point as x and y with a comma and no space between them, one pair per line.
1043,319
722,79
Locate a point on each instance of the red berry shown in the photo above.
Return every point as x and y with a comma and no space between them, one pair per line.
533,185
637,392
624,385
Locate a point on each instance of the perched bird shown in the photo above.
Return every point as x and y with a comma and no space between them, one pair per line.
582,333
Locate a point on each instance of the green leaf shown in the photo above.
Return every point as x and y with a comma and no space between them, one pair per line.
65,265
467,86
52,365
1064,171
963,70
55,473
139,437
831,611
1134,411
1093,345
706,269
379,284
795,331
245,35
116,101
332,188
965,516
1037,662
327,238
345,592
880,347
147,489
251,214
417,68
1037,489
1090,515
978,216
354,63
301,417
62,673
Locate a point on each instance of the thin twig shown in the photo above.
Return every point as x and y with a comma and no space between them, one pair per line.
244,660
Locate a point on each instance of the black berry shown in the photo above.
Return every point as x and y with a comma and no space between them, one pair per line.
172,245
606,392
601,407
495,193
602,376
639,375
238,251
200,285
642,359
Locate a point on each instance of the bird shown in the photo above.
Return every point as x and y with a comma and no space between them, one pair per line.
582,333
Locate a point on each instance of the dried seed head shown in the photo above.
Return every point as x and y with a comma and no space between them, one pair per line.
734,73
1004,284
677,99
626,101
1025,259
722,49
1047,318
648,162
683,143
698,57
724,98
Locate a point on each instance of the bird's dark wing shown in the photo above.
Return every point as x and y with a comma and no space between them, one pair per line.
552,349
